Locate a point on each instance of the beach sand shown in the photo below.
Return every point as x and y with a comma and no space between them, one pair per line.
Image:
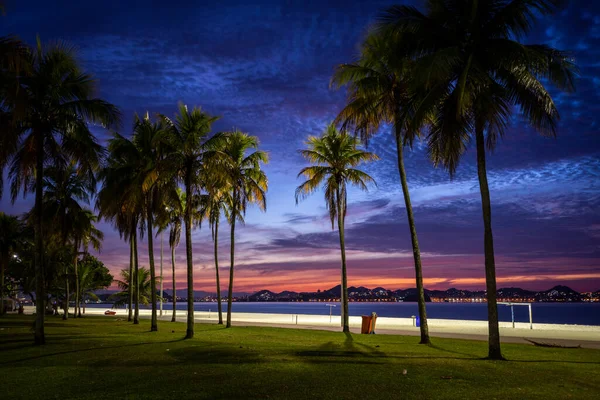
564,335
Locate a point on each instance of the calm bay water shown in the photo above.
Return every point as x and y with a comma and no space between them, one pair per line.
548,313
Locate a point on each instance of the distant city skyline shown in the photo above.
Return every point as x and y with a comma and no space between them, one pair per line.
265,69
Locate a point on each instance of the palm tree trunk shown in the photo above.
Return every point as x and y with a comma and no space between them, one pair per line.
135,280
153,323
161,274
188,251
415,242
344,287
40,307
66,314
216,240
494,351
77,310
130,287
174,317
3,262
231,255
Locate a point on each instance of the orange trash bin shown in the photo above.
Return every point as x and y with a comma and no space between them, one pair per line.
366,324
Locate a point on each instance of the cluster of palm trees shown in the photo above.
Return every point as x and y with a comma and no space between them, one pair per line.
46,110
140,191
454,71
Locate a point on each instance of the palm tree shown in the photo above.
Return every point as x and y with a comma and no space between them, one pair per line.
92,275
246,183
144,285
50,124
146,140
186,137
469,60
84,233
11,235
65,188
378,93
217,201
335,157
171,219
121,201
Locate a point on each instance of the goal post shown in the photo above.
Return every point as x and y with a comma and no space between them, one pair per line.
512,311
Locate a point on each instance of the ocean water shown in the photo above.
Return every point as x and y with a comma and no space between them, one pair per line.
547,313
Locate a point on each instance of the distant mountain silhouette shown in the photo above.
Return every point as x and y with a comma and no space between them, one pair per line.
361,293
557,293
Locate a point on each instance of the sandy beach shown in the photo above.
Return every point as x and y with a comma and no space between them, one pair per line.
565,335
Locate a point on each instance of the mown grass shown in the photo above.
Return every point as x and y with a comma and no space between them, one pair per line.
103,358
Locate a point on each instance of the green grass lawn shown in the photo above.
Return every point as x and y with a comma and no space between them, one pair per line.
102,358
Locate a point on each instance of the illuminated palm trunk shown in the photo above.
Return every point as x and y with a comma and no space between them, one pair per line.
344,284
174,317
40,304
494,351
153,323
415,243
135,280
231,255
219,305
130,287
188,250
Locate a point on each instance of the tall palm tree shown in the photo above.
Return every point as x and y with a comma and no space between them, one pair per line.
213,204
335,157
146,140
469,60
378,93
50,124
11,235
187,138
121,201
246,183
65,188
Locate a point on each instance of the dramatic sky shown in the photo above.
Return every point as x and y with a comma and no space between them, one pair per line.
265,69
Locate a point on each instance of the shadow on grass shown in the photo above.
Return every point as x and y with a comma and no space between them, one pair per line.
58,353
467,355
554,361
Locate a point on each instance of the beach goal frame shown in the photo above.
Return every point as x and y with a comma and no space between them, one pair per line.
512,311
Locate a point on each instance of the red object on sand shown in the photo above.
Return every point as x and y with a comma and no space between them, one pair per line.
109,312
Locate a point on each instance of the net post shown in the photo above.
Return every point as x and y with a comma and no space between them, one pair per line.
512,315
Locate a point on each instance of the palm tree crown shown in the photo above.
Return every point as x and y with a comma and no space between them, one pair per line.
469,60
336,157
